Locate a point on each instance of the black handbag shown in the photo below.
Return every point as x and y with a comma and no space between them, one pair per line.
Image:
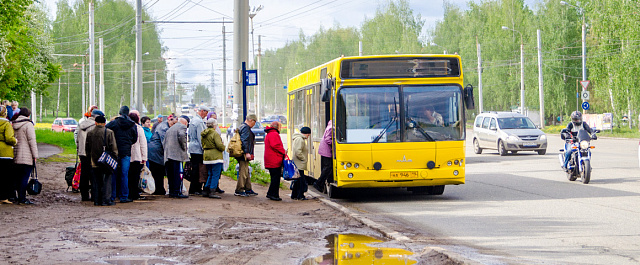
34,187
69,173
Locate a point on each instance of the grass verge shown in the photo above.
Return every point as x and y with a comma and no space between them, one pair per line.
60,139
622,132
258,175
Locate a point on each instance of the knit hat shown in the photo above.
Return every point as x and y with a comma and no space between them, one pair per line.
124,110
101,119
305,130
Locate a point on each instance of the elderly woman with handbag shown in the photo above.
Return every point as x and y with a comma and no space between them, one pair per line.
274,153
25,152
7,141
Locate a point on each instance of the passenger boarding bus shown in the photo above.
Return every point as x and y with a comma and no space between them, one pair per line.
399,120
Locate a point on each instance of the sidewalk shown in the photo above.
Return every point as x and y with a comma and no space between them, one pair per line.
47,150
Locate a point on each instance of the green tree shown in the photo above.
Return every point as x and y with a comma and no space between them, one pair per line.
201,95
25,50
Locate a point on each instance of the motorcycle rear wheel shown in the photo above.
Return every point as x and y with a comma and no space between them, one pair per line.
585,175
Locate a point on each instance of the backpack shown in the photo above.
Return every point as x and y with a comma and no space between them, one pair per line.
235,145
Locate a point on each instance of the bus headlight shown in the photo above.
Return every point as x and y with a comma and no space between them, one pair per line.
348,164
356,165
456,162
448,163
350,175
455,173
584,144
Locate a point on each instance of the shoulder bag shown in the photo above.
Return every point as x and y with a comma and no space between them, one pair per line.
107,158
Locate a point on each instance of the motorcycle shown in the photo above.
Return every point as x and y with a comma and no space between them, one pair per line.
580,162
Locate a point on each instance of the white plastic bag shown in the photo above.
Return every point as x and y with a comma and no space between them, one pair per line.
225,158
147,184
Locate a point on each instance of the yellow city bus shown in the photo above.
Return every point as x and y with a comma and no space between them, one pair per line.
399,120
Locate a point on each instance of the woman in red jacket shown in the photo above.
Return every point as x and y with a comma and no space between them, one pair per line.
273,155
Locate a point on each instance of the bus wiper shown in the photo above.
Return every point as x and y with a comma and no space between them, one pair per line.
417,127
388,125
384,130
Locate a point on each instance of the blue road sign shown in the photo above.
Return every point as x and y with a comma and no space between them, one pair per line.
251,77
585,105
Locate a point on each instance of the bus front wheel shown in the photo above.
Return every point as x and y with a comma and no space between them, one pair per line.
334,192
435,190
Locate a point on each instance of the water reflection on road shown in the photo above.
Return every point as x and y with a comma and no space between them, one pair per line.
359,249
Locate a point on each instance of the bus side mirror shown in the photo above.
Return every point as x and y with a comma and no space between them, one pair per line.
468,97
326,85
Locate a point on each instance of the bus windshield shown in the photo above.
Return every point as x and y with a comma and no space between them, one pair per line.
399,114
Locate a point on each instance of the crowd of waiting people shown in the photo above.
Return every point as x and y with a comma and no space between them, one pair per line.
163,147
18,152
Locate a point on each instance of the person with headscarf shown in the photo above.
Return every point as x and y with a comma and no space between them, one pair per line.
126,134
7,142
85,161
138,158
25,152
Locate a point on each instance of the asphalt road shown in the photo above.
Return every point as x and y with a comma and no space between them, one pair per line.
521,209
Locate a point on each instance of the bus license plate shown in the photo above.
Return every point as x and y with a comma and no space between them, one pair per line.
529,144
404,174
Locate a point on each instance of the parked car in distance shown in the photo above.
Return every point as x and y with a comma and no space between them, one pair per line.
258,130
507,131
269,119
64,125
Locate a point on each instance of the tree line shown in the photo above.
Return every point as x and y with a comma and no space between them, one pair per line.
612,41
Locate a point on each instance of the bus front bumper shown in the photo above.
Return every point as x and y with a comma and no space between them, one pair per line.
400,178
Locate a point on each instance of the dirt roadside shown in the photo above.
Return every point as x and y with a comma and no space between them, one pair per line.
60,229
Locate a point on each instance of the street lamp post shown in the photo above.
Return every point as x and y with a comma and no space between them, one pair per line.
256,97
434,44
521,69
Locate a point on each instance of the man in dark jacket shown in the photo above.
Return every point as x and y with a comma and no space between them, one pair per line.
243,187
101,176
85,161
126,135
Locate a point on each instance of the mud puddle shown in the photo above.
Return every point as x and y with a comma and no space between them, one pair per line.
360,249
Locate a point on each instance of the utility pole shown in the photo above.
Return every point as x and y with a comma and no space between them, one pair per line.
58,104
68,94
131,95
224,77
240,50
84,102
33,106
92,59
258,110
102,76
155,95
360,48
540,81
138,75
173,77
480,100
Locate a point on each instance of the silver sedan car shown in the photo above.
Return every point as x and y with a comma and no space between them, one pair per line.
507,131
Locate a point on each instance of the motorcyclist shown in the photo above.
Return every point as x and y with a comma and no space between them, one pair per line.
571,131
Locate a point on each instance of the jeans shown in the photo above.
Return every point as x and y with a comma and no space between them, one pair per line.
121,179
23,172
274,186
214,171
567,154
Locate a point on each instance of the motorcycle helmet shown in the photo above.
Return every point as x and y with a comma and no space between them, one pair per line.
576,118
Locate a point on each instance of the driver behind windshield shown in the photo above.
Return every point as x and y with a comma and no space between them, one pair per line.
430,118
571,131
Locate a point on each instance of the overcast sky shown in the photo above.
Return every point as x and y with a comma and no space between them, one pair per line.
196,47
